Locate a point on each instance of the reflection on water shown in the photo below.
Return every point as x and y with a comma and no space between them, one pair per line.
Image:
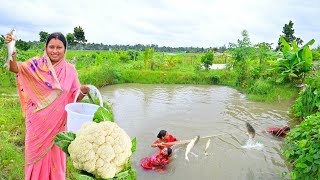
190,110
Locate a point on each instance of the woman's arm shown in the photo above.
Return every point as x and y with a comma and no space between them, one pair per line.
157,143
165,161
13,64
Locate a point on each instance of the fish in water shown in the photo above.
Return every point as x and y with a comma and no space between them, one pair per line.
250,131
11,47
207,146
190,146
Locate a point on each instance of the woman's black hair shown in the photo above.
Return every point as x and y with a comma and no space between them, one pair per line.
59,36
169,150
286,128
162,133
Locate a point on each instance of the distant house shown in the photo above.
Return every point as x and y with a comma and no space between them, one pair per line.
217,66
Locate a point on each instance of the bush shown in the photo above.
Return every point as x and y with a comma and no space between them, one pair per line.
207,59
260,87
308,101
302,148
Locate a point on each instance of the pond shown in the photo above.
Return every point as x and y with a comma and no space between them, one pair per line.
189,110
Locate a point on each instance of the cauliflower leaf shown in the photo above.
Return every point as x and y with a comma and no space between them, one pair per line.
134,145
63,140
102,114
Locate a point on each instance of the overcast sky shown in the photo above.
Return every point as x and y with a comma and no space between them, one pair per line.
175,23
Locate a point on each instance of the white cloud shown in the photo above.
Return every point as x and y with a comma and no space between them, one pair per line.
202,23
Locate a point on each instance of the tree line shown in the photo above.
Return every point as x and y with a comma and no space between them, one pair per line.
78,41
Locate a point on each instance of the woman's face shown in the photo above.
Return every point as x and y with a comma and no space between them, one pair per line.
166,136
55,50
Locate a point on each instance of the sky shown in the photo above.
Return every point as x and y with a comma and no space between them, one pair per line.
173,23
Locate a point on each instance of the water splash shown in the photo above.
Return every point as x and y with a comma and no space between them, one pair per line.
251,144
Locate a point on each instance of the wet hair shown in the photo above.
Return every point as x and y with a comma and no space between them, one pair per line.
169,150
59,36
162,133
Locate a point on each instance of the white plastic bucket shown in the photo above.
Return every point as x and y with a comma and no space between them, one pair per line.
80,113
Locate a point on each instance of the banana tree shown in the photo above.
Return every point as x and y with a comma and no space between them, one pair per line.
295,61
148,55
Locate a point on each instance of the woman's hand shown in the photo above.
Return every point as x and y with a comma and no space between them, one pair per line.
84,90
161,144
8,38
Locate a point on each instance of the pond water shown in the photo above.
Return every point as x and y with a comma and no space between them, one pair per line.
189,110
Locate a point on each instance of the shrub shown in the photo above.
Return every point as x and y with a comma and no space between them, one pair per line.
260,87
302,148
308,101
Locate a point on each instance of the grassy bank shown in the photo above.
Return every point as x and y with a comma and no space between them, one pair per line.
12,133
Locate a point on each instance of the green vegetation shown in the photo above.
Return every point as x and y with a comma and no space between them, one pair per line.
295,63
12,133
302,148
207,59
256,70
288,35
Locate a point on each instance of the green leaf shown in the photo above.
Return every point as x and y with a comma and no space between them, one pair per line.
285,46
307,56
280,79
295,46
309,43
83,177
134,145
63,140
307,170
102,114
123,174
301,165
317,161
293,75
128,173
309,158
5,135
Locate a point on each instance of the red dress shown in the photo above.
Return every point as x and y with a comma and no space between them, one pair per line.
170,139
276,131
157,160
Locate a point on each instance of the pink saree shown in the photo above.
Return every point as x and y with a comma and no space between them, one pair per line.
44,90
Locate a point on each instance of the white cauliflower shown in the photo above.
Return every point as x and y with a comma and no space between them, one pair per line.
101,149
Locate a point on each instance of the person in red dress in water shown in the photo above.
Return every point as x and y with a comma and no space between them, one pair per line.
157,161
163,138
279,131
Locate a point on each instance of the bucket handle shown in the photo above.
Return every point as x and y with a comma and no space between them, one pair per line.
91,87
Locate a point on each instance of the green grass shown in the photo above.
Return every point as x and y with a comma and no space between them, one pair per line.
12,134
272,93
12,161
8,90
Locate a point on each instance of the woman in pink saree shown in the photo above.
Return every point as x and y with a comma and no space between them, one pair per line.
45,85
